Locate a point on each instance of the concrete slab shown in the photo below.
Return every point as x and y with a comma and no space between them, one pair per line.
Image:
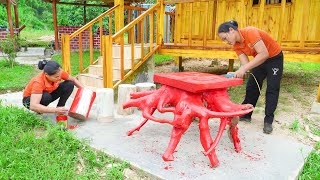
262,157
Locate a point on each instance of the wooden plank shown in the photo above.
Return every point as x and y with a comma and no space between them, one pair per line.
282,21
177,22
190,24
161,27
91,45
261,11
304,24
80,53
206,11
147,27
135,8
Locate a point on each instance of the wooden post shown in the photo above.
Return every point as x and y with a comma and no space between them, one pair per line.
107,62
206,11
16,15
261,10
119,15
304,23
55,24
80,53
65,41
231,63
91,44
178,63
10,18
151,30
161,23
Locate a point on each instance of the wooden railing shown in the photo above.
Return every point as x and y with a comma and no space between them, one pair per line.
119,37
66,38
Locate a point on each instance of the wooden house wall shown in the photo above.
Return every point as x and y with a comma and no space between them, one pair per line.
296,21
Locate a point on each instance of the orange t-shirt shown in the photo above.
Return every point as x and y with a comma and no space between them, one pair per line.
40,83
250,36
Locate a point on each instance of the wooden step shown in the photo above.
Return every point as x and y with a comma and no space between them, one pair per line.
91,80
98,71
127,51
116,62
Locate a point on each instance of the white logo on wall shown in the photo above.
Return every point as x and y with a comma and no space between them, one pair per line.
275,70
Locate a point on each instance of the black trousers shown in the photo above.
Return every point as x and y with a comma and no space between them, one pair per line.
63,92
271,69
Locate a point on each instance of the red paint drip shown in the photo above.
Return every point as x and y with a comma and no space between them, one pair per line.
72,126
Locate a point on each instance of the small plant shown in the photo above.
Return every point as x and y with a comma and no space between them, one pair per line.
10,46
295,125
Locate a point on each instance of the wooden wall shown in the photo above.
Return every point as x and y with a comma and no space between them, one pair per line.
301,19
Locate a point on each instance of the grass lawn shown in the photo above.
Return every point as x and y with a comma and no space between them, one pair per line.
32,148
16,78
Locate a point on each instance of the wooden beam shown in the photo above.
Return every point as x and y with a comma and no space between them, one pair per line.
82,4
261,11
10,18
16,15
55,25
161,23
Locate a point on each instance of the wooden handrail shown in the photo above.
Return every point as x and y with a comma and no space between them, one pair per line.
83,28
136,21
135,8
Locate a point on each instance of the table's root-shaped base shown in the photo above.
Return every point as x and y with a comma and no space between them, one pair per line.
186,105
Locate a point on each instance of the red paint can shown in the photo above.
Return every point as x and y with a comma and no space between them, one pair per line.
82,104
62,121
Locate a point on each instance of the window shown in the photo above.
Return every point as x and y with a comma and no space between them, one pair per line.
255,2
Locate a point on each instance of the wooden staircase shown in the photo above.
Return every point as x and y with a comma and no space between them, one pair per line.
94,77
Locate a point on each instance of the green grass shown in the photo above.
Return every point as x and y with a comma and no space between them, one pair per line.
31,148
311,169
32,34
295,126
159,59
15,78
74,58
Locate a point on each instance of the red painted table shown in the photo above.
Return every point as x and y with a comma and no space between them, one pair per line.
188,95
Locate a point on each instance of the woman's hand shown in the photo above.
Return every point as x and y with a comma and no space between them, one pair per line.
240,73
61,110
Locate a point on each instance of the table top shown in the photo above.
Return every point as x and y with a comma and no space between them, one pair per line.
196,82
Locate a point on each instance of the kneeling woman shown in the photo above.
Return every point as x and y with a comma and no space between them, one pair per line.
46,88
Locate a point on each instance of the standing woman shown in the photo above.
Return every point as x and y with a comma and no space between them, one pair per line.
267,63
46,88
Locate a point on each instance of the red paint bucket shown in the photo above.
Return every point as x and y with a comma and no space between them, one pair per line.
62,121
82,104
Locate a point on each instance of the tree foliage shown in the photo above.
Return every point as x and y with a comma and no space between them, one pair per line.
36,14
